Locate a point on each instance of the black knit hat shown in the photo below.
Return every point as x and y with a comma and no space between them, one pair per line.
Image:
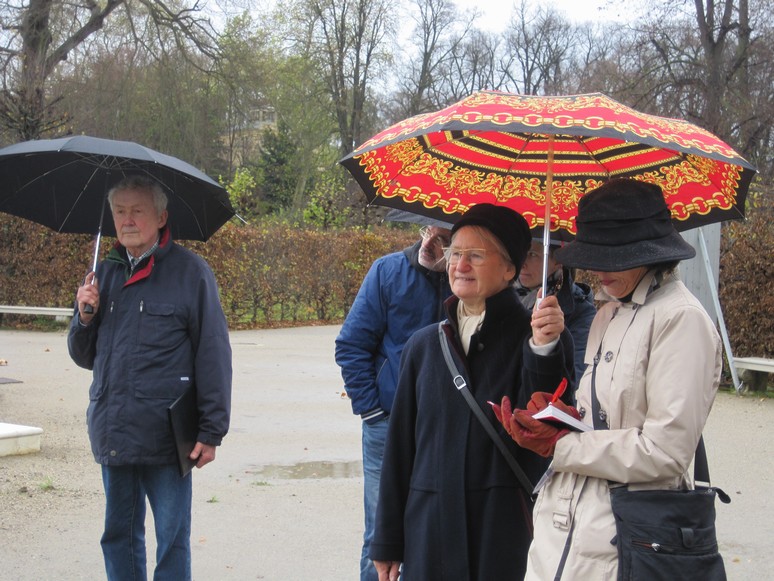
623,224
510,228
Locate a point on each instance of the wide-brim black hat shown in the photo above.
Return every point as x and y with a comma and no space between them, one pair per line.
507,225
623,224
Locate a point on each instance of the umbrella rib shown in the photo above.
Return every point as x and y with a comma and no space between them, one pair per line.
78,198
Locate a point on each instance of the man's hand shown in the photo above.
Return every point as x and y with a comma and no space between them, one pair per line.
88,294
203,453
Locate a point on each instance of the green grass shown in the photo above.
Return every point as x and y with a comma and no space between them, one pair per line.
47,484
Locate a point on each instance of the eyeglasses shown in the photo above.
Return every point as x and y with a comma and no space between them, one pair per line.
475,256
428,235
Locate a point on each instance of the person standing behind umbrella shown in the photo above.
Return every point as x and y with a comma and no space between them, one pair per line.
157,327
575,299
654,361
402,292
449,504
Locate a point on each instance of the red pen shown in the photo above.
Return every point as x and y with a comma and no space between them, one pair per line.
559,390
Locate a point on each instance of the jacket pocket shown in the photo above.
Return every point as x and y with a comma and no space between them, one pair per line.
164,386
158,324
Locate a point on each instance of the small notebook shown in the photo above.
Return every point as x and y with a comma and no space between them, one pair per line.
184,420
556,416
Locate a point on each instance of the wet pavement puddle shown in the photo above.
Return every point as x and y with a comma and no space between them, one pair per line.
311,470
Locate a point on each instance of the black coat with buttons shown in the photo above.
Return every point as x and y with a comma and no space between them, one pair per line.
450,508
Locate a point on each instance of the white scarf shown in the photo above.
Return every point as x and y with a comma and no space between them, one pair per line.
468,324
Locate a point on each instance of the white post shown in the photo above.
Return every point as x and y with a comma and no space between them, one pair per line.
718,311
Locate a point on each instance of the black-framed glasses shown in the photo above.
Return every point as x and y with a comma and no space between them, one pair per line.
428,235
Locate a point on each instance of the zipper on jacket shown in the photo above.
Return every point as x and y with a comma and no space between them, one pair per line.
655,547
112,303
142,304
668,549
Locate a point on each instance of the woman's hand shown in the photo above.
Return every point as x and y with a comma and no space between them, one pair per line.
387,570
547,320
526,431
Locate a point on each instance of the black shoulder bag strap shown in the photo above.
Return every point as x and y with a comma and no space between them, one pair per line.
462,387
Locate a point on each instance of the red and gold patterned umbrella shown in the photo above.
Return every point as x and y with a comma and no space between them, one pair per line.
510,150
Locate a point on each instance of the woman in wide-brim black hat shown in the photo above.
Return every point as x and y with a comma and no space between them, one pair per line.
654,358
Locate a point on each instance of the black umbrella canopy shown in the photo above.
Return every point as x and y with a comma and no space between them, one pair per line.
61,183
396,215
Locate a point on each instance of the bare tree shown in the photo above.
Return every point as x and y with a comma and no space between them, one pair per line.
349,41
439,31
538,45
712,63
472,66
39,35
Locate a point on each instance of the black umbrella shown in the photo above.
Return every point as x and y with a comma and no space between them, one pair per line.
395,215
62,184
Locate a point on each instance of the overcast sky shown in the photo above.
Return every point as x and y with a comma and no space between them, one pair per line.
497,12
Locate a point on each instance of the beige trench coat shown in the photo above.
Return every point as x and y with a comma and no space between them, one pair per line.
658,372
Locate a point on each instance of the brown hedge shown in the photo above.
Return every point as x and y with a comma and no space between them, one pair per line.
279,275
268,275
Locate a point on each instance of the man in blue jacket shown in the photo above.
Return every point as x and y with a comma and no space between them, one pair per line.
154,328
401,293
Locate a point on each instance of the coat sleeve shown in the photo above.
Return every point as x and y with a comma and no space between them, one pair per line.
397,464
82,341
545,372
680,382
357,346
212,362
578,325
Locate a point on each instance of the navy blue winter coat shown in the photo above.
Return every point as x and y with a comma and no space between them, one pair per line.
577,303
398,296
153,336
450,508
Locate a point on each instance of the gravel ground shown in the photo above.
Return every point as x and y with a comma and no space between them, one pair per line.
283,499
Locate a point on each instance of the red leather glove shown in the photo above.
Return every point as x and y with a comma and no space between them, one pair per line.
541,399
533,434
503,413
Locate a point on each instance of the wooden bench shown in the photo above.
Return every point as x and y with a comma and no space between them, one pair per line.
756,371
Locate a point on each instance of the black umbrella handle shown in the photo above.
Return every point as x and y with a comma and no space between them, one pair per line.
88,309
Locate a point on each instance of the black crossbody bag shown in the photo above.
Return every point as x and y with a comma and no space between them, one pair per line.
665,534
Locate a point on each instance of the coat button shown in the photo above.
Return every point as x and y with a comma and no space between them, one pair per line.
113,452
608,357
480,347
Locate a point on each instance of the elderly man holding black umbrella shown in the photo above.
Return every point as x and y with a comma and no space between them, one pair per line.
154,329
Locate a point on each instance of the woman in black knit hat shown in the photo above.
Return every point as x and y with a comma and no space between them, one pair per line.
450,506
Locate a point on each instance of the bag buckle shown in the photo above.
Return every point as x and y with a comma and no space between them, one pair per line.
561,520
